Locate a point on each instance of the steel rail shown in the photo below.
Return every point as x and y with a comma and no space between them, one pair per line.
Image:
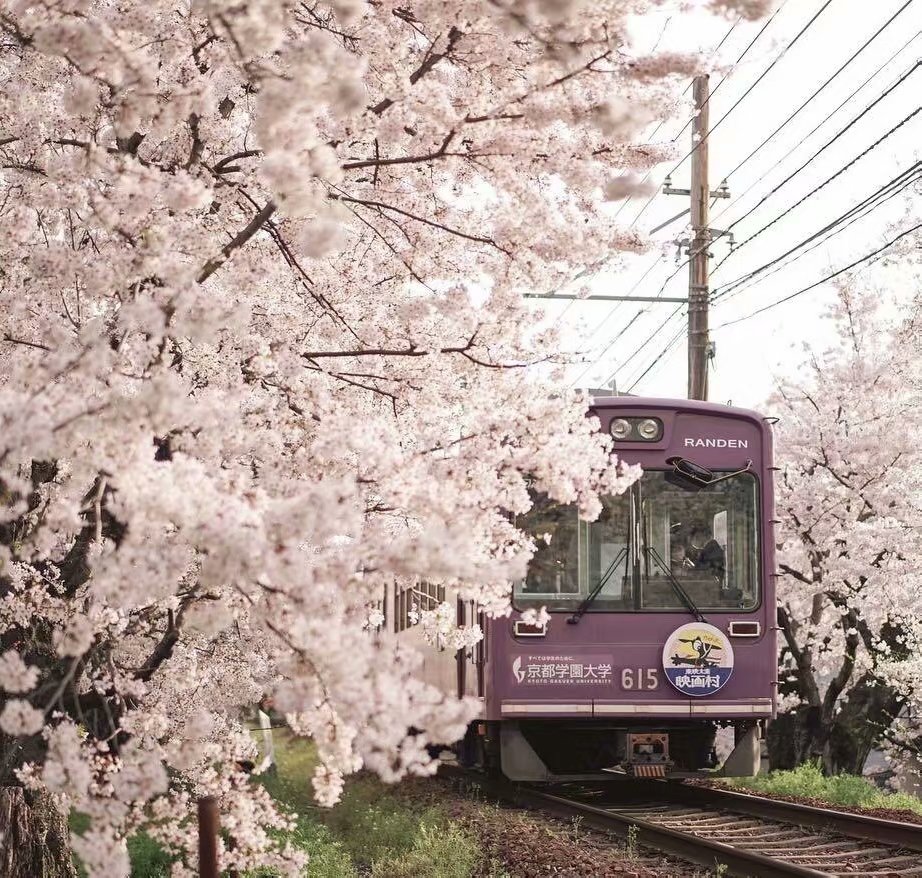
607,816
858,826
701,851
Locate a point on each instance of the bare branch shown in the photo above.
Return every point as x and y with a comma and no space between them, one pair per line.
251,228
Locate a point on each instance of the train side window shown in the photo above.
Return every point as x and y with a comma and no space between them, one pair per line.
411,600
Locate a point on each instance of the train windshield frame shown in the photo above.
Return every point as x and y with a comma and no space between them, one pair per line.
659,531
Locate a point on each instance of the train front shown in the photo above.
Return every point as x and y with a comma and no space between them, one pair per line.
662,611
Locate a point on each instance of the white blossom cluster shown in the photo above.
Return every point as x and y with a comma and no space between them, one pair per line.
264,352
850,505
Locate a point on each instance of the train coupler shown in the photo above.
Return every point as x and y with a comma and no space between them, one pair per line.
648,754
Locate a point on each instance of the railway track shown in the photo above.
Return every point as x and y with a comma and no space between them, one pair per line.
732,833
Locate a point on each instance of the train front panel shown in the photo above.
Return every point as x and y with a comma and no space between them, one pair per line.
661,612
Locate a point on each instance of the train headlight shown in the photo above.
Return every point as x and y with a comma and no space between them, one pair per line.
620,429
648,429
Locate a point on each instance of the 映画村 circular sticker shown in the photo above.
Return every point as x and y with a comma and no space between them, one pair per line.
698,659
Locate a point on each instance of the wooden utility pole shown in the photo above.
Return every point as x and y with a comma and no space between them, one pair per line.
702,235
698,290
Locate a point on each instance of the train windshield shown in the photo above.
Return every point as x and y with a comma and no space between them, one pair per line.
658,534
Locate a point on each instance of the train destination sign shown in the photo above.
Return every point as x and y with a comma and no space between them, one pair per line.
567,670
716,443
698,659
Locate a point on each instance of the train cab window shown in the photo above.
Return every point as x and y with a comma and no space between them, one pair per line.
649,544
573,556
705,540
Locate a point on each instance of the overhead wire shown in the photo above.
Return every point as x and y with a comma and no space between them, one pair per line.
737,198
865,211
787,121
630,291
866,258
723,79
872,200
633,320
822,87
819,187
714,51
759,79
803,30
659,357
649,338
646,176
841,133
892,187
661,122
739,101
654,195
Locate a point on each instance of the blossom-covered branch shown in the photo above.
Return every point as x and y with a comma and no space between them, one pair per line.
204,206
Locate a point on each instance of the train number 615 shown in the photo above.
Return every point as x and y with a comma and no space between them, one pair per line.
639,678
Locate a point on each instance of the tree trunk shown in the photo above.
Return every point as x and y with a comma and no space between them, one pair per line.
859,726
796,737
840,743
35,840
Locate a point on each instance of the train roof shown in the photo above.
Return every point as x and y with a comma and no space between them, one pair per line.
683,405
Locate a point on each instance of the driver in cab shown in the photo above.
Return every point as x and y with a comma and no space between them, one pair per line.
705,554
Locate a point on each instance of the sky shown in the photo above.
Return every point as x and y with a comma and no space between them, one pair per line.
750,354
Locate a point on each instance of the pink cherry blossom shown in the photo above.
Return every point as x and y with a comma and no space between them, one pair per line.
18,717
851,533
15,675
265,353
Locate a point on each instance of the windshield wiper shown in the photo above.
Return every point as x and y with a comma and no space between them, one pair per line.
581,609
676,585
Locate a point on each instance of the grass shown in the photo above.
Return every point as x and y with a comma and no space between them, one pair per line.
371,831
148,859
807,781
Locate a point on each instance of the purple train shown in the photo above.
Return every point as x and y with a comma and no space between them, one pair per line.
662,612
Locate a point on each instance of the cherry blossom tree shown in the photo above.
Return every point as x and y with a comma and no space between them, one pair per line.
263,352
850,507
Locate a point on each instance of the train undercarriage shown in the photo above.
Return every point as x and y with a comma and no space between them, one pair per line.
547,750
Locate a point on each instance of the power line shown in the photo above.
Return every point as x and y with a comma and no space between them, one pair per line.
736,104
861,214
870,201
633,320
691,255
821,186
840,134
655,194
761,76
819,90
717,49
816,128
899,182
682,331
634,286
646,176
828,143
787,121
623,330
642,346
823,280
714,51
